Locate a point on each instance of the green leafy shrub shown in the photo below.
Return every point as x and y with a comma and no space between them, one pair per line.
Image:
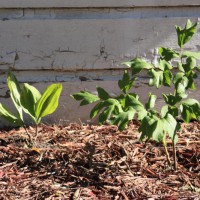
29,100
127,106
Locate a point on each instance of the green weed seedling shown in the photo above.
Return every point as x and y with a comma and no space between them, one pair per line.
29,100
127,106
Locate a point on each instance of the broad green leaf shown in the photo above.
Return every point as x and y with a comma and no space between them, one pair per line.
151,101
164,65
167,77
170,127
190,64
156,128
147,127
137,65
181,90
191,75
122,99
15,92
122,118
178,77
190,102
184,35
171,99
29,97
85,97
109,107
198,68
133,101
9,116
126,83
157,78
95,111
102,93
168,54
180,67
195,55
181,84
190,109
167,109
48,102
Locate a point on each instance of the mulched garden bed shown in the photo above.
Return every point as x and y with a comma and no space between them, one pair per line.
82,162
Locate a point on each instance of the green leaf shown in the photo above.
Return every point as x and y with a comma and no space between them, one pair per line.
181,90
48,102
147,127
184,35
167,77
167,109
122,118
181,83
156,128
190,109
164,65
151,101
126,83
157,78
178,77
7,115
171,127
85,97
110,106
132,101
180,67
167,54
170,99
15,92
137,65
190,64
29,97
102,93
95,111
195,55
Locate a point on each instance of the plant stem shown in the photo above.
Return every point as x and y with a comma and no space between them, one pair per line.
174,156
167,154
166,150
28,134
36,132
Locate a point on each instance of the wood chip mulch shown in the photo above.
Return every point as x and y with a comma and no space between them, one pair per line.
82,162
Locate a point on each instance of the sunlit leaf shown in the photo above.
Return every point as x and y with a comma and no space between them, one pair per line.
157,78
185,34
15,92
85,97
137,65
151,101
122,118
48,102
167,53
126,83
29,97
9,116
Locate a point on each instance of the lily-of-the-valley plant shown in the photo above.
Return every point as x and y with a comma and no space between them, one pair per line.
174,68
29,100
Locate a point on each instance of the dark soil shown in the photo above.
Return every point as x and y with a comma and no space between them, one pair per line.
97,162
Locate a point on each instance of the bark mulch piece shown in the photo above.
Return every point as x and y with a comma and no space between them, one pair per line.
83,162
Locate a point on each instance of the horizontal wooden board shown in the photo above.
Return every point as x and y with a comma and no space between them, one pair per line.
93,3
84,44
